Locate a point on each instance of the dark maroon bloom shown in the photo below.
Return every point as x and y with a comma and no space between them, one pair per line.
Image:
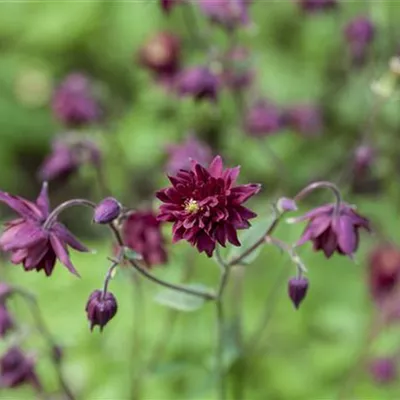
67,156
106,211
205,205
17,369
101,308
228,13
180,155
314,6
297,290
142,233
359,34
197,82
239,73
263,118
305,119
383,370
31,243
74,103
384,271
161,54
330,232
6,321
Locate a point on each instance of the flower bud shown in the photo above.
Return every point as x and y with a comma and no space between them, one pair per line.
285,204
106,211
100,308
383,370
297,289
6,321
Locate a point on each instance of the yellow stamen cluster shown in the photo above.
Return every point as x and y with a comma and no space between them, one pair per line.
191,206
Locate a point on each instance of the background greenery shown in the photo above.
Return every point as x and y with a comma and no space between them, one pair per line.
305,354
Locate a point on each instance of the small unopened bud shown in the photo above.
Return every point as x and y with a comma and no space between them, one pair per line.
285,204
100,308
106,211
297,289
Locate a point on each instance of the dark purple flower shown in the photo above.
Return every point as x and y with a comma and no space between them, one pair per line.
364,156
31,243
17,369
383,370
297,290
313,6
228,13
168,5
359,34
205,205
197,82
74,103
180,155
305,119
67,156
106,211
142,233
330,232
6,321
238,75
101,308
263,118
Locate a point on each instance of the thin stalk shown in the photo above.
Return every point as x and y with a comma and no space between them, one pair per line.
220,350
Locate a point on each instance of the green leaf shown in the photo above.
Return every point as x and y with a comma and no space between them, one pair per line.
249,237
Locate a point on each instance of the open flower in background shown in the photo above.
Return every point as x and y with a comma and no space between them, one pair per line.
305,119
314,6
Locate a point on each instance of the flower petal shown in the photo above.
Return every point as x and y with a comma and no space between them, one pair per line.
216,167
21,236
346,236
43,200
67,237
62,253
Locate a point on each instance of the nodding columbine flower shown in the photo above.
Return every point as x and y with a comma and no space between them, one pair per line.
383,370
332,229
141,232
67,156
6,321
101,308
297,290
305,119
74,103
262,119
205,205
107,210
314,6
180,155
17,369
30,242
199,83
359,34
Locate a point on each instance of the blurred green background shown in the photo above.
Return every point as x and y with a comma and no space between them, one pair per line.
305,354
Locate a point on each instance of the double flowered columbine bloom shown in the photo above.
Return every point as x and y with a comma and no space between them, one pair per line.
206,206
31,242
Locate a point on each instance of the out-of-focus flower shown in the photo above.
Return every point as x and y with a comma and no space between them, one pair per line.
359,34
227,13
5,291
205,205
364,157
332,232
314,6
238,75
180,155
101,308
74,103
284,204
67,156
6,321
383,370
141,232
30,242
197,82
297,290
17,369
161,54
107,210
168,5
262,119
305,119
384,271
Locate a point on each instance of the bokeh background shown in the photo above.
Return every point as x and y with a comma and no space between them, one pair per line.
148,351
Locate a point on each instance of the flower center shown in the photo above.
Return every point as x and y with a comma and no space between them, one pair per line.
191,206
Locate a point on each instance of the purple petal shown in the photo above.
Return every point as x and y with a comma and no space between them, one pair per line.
36,254
205,243
346,236
242,193
21,236
326,209
23,207
319,225
305,237
67,237
232,235
216,167
43,200
230,176
328,242
62,253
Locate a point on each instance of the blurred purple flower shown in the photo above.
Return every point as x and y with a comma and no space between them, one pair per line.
168,5
297,290
205,206
17,369
198,82
238,75
359,33
364,156
313,6
330,232
101,308
180,155
107,210
383,370
262,119
31,243
141,232
6,321
73,101
305,119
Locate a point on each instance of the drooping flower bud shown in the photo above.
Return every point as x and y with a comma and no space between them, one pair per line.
285,204
6,321
297,289
364,156
107,210
383,370
101,308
